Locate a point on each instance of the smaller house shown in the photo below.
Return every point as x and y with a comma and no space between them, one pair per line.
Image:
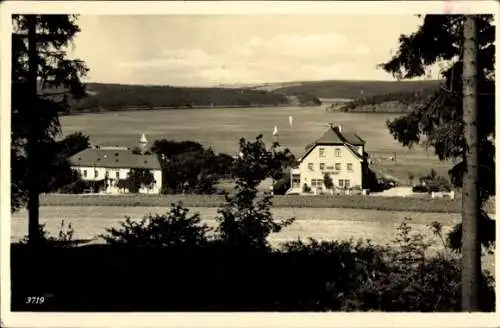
338,154
112,164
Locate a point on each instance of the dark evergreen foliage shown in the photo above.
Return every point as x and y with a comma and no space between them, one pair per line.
438,123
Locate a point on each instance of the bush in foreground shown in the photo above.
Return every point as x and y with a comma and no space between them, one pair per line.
213,276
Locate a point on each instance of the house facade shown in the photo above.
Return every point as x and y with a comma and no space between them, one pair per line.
109,165
340,155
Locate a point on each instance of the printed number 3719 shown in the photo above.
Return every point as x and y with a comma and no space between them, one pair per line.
35,300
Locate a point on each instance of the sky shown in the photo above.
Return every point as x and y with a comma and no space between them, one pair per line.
204,50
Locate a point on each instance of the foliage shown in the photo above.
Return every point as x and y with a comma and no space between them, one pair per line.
245,221
57,171
327,181
412,280
189,167
439,121
308,99
281,186
139,178
432,182
408,98
171,255
63,238
54,32
173,229
112,97
354,89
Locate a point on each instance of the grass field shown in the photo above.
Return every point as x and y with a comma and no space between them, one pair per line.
408,204
221,128
324,223
318,223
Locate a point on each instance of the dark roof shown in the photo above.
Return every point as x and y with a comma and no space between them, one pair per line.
332,136
115,158
353,139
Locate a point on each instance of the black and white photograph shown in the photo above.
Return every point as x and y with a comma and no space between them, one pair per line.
252,157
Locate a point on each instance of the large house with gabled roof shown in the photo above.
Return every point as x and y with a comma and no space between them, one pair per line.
112,164
340,155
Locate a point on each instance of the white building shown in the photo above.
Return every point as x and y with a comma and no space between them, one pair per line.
111,164
341,155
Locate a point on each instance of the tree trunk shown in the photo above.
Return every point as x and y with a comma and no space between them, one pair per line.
32,138
471,248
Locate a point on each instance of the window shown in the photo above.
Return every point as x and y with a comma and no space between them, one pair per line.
322,152
322,166
85,173
118,175
337,152
96,173
310,166
316,182
349,167
337,166
344,183
106,175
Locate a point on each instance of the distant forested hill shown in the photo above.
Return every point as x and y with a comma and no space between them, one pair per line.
116,97
112,97
355,89
396,102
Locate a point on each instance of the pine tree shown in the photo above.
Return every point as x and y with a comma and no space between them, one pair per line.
438,123
39,63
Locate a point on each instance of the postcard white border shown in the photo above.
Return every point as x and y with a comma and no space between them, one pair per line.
9,319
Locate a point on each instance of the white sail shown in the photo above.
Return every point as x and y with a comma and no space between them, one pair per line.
290,120
275,131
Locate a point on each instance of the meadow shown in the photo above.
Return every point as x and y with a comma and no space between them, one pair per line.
381,203
221,128
318,223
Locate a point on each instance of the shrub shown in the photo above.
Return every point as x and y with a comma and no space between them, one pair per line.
414,281
281,186
420,188
244,220
328,182
137,179
173,229
63,238
306,188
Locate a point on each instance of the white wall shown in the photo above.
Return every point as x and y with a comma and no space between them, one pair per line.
330,159
123,172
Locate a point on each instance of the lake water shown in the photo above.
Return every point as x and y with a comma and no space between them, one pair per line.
223,127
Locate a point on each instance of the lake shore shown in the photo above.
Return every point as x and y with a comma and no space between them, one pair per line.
402,204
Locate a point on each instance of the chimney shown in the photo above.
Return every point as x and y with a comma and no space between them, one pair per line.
339,127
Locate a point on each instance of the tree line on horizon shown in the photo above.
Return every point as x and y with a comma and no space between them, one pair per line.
115,97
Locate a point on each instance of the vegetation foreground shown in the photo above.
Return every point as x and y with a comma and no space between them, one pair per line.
171,263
